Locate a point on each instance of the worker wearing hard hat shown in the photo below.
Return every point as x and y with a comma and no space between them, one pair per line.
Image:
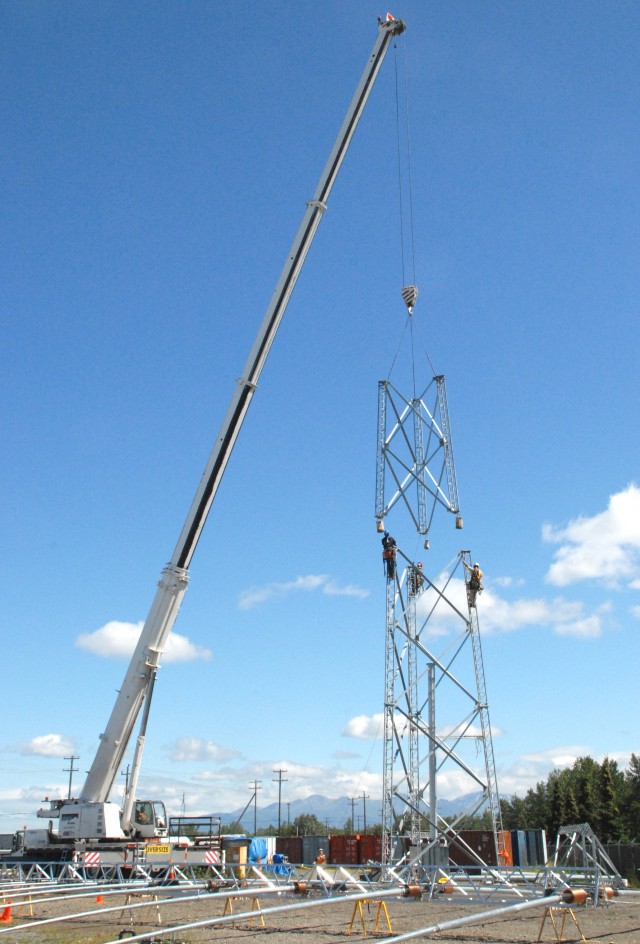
321,857
474,583
415,579
389,555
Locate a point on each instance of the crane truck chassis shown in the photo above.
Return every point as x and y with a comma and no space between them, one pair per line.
91,822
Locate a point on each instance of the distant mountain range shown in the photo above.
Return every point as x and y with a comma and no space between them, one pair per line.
331,812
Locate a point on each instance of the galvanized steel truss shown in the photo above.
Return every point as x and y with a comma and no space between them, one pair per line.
415,450
414,446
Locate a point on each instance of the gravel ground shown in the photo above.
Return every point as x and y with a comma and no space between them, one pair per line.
617,922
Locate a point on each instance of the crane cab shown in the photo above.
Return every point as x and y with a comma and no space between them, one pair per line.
149,819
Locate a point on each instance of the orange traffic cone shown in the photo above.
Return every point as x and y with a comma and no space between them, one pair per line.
99,899
5,917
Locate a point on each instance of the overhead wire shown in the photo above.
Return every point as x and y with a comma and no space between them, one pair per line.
409,164
406,211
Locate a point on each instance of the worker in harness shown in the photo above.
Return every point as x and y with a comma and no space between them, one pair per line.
474,583
389,555
415,579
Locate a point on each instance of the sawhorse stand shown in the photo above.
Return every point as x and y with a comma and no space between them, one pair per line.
153,902
382,909
255,906
549,913
26,903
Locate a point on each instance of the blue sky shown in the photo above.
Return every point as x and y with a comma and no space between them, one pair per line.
156,162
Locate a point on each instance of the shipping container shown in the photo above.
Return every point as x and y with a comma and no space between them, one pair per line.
519,844
505,837
481,841
536,846
344,850
370,848
291,847
311,846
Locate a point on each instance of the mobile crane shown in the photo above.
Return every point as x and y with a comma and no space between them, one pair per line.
92,818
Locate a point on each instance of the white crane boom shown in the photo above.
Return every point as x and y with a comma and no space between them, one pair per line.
173,582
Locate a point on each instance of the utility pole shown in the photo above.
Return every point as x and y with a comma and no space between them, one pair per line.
288,813
257,785
71,770
125,774
280,781
365,797
353,813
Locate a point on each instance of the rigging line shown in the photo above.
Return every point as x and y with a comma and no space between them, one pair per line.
409,162
413,360
424,349
400,200
395,356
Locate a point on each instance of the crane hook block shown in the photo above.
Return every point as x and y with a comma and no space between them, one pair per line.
410,294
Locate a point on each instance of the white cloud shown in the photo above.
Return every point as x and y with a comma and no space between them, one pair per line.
193,748
603,547
181,649
310,583
564,756
532,768
228,788
508,581
117,640
529,769
470,731
498,615
48,745
363,726
588,628
371,728
564,617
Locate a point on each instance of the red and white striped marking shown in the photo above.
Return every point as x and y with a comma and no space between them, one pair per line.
91,860
212,857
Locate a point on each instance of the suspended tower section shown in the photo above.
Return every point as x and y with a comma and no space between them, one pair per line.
437,731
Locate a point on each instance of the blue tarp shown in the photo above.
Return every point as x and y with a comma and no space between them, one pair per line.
257,855
279,866
257,851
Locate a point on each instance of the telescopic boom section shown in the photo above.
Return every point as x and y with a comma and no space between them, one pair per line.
174,580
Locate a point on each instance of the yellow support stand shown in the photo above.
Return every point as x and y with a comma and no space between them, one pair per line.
255,906
549,913
25,903
382,909
153,902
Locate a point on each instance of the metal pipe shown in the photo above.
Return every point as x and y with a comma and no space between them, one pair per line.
476,918
226,919
142,890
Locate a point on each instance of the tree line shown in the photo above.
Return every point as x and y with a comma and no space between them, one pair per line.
599,794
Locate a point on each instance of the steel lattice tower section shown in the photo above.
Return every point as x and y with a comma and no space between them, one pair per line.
415,454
